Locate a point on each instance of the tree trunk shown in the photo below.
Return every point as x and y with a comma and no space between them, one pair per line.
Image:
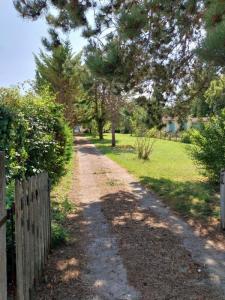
113,133
100,129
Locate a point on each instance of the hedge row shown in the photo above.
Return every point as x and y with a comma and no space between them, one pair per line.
33,134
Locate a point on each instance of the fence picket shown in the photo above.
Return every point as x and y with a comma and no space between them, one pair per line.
32,204
3,273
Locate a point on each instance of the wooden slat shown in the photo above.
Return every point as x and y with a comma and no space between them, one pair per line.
222,199
19,240
32,232
3,273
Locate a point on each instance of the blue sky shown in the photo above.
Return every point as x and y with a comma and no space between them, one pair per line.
19,40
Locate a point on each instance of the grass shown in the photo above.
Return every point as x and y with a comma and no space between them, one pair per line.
170,172
61,205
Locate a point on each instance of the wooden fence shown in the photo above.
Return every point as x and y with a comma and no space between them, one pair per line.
3,273
32,232
222,198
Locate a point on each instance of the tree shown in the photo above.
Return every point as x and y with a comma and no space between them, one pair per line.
215,95
95,100
153,41
105,63
155,37
212,48
60,70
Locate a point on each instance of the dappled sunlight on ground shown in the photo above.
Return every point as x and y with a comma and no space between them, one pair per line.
147,243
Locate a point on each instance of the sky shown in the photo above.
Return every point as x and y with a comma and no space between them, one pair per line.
19,40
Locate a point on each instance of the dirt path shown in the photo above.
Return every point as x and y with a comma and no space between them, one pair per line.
128,244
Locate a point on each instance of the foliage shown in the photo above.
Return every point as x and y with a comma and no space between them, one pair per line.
59,213
186,136
60,71
215,94
144,145
126,112
34,135
93,103
208,150
59,234
212,48
61,206
139,120
145,40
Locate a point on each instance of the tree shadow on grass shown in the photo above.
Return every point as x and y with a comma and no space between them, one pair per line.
191,199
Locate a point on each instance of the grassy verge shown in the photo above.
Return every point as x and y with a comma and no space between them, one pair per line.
61,205
170,173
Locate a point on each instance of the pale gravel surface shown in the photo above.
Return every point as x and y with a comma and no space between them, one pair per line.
106,273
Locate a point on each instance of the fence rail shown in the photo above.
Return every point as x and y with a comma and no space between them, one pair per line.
3,273
32,231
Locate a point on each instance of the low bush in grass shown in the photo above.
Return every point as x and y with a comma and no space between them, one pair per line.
144,144
209,147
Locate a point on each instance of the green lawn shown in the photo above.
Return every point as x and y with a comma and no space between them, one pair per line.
170,172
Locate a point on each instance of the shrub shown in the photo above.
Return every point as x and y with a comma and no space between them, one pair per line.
186,136
59,213
144,145
209,147
33,134
59,235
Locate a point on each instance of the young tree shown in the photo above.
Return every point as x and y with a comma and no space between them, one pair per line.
60,70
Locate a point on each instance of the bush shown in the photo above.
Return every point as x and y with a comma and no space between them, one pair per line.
59,234
59,213
209,149
144,145
33,134
186,136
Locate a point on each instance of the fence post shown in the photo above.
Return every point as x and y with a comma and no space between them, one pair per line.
222,198
3,273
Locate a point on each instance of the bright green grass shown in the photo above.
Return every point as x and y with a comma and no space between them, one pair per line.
170,172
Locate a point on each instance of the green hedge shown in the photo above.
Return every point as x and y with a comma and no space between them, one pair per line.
33,134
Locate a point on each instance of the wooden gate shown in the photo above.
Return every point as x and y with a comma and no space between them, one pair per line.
32,231
3,273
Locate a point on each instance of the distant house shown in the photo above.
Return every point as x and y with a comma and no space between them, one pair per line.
172,124
79,129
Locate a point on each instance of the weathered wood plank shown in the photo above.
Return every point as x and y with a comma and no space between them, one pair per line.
3,273
19,240
222,199
32,203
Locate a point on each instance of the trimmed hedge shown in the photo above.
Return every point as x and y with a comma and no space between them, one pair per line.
33,134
